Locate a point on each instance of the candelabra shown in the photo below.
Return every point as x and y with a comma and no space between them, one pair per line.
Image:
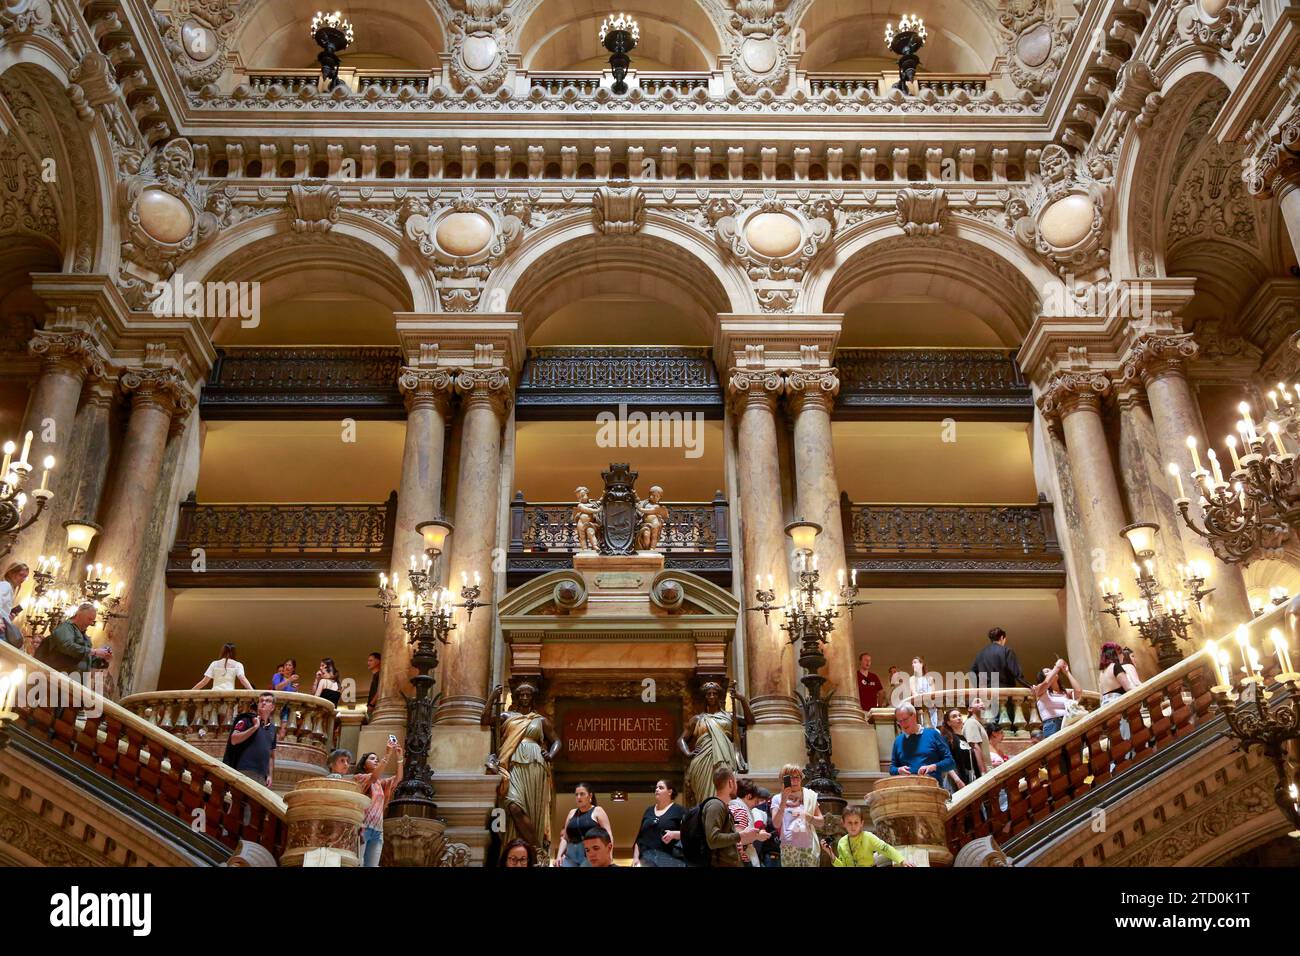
618,35
1286,408
906,42
14,516
1161,617
1257,507
809,617
52,595
427,615
9,686
1263,715
332,33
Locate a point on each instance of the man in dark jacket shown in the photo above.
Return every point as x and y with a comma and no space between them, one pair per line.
719,828
996,665
68,649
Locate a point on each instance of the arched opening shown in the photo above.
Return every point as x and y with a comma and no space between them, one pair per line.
848,36
563,36
407,36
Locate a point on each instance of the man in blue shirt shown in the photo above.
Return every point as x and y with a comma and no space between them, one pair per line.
919,750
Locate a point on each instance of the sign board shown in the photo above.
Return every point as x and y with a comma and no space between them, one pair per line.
620,734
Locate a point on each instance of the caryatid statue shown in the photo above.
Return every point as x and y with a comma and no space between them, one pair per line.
712,737
653,516
586,518
526,746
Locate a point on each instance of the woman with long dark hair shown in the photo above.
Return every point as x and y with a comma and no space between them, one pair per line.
586,815
224,672
327,681
953,725
659,841
369,774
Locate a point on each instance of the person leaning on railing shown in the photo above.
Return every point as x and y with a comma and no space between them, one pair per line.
918,750
224,672
68,649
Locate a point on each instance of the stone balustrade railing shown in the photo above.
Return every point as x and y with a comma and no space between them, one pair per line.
147,761
1013,710
204,718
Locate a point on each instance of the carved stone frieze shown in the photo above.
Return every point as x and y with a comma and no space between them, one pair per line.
314,205
1065,216
773,238
760,46
618,209
922,212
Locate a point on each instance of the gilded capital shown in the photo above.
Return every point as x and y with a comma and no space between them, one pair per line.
812,388
72,353
163,388
425,388
1154,356
1069,392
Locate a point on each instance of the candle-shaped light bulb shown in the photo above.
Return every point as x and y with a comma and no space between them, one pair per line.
1196,459
1277,438
839,577
27,447
1214,467
1231,442
1173,470
1249,422
9,453
1282,651
48,464
853,577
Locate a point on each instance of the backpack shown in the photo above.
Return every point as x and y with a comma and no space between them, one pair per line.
695,843
234,751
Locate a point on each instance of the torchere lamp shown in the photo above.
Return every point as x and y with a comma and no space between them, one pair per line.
53,594
906,42
333,34
1161,617
14,513
1263,712
618,35
427,615
809,617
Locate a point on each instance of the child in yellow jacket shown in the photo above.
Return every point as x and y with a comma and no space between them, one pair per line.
858,848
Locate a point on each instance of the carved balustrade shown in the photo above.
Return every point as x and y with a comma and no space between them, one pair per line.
296,383
146,761
281,545
1010,709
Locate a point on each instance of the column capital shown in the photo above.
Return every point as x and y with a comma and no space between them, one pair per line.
163,388
759,387
1153,356
812,388
74,352
1274,166
426,387
1071,391
484,386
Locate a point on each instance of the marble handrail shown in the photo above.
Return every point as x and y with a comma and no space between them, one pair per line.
1015,714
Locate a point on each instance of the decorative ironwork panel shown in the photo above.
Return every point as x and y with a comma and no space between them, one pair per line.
580,377
928,379
547,526
314,381
911,529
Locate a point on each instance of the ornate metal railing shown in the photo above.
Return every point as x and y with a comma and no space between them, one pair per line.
238,545
1015,545
303,382
581,378
149,763
543,537
907,382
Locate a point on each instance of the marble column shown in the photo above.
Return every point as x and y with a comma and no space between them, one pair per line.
158,397
817,491
1074,400
468,655
1288,201
66,359
1159,362
419,498
758,477
87,462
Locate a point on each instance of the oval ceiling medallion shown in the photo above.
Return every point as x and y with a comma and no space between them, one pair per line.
1067,221
164,217
1035,45
479,51
463,233
773,234
759,53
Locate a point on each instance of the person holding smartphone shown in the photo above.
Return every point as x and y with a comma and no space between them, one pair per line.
795,817
369,774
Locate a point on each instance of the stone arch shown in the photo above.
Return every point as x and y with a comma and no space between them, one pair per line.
677,34
411,35
972,266
665,261
357,258
34,79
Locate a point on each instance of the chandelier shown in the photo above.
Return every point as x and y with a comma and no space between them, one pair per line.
333,34
53,596
1261,713
427,614
1161,617
618,34
1255,508
809,616
14,514
10,684
906,42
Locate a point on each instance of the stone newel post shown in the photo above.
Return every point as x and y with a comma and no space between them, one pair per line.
908,811
324,813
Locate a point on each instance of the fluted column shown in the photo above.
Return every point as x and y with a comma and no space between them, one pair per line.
159,396
758,476
468,655
419,498
1159,362
812,396
1074,400
66,359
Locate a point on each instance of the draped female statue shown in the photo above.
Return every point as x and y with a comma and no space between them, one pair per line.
712,737
525,748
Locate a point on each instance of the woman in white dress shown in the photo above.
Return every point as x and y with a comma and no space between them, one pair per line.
924,700
224,672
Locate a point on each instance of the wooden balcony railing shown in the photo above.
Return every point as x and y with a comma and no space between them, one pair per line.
1065,767
204,719
304,382
148,763
953,545
544,538
921,383
281,545
578,381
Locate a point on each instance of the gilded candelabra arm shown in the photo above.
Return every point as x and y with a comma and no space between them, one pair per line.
765,598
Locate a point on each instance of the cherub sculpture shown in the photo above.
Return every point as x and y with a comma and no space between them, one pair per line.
586,517
653,516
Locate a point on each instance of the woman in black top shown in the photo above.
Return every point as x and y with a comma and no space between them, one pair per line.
961,753
659,841
583,817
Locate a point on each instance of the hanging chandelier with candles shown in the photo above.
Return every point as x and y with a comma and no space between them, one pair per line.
1254,509
14,513
619,34
333,34
1162,617
906,42
1262,709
